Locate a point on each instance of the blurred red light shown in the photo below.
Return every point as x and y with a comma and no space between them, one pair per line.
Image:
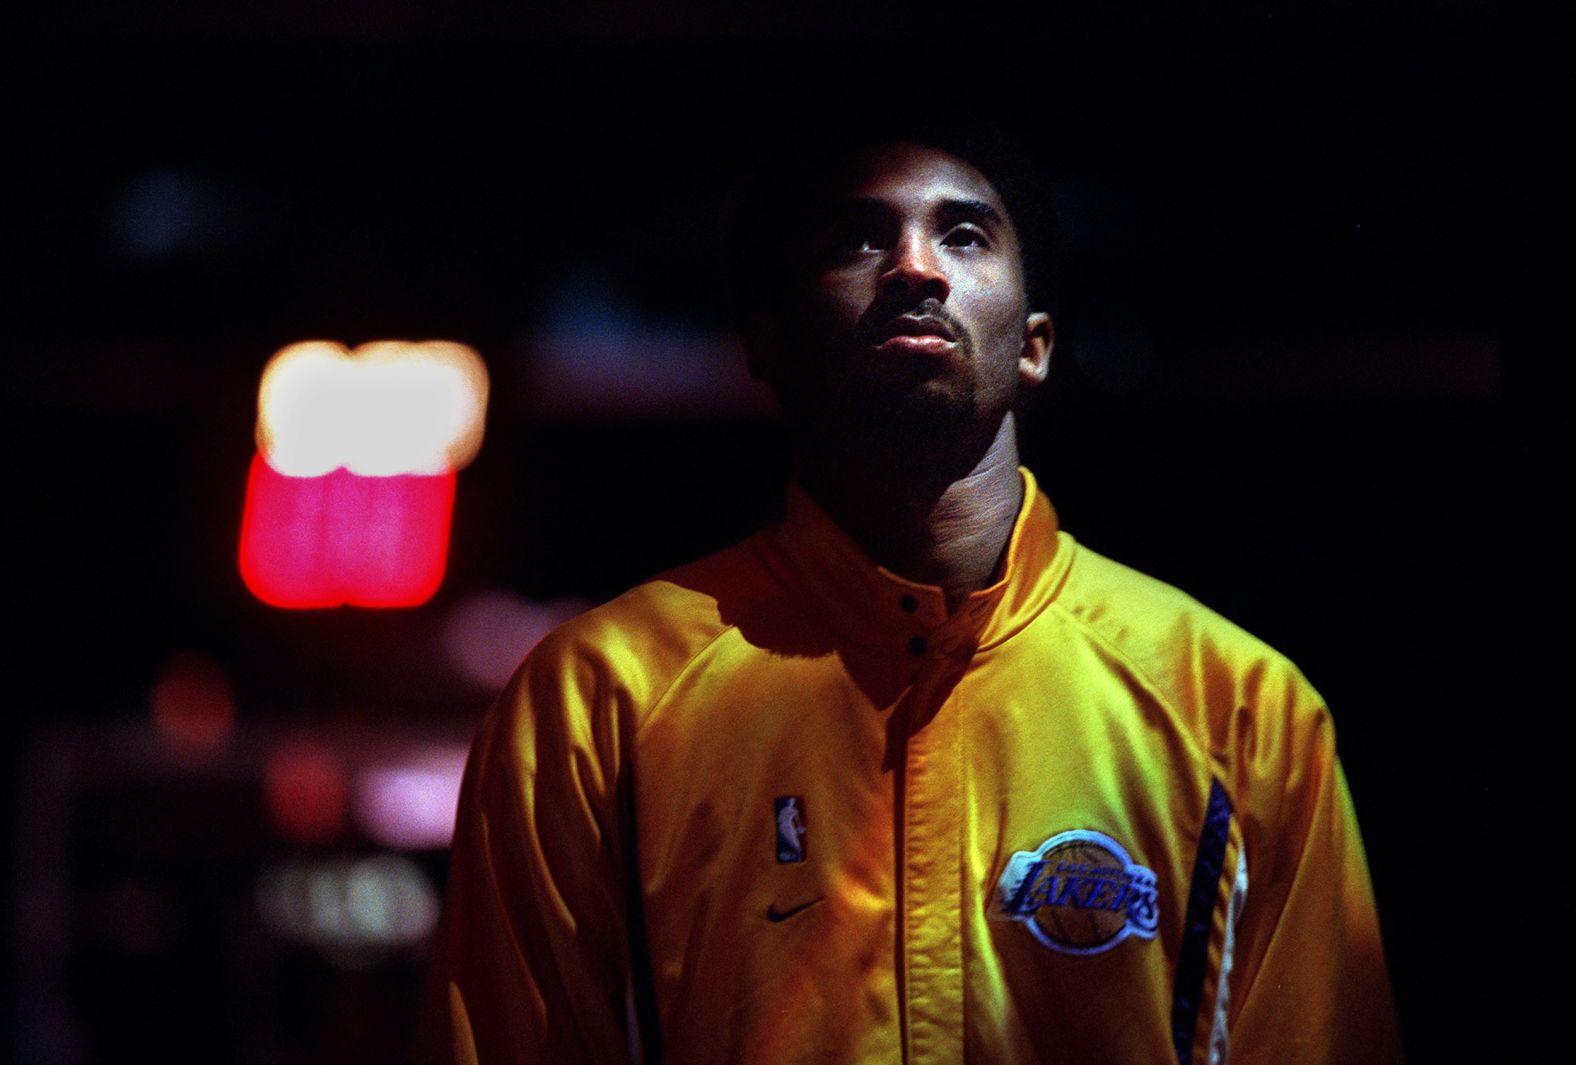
193,706
306,792
344,539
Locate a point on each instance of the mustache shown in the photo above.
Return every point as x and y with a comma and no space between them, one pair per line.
882,318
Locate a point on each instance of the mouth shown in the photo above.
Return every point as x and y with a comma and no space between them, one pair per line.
917,334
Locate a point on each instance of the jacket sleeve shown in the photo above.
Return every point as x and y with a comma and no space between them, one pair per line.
1309,982
533,948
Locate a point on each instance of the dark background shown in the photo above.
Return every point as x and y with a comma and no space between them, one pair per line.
1307,370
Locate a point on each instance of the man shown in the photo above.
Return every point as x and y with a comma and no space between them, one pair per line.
912,776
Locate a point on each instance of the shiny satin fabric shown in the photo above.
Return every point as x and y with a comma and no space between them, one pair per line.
1079,819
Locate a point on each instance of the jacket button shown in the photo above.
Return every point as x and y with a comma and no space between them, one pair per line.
916,646
909,604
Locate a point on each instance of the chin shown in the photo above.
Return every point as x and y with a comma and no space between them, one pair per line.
928,432
937,402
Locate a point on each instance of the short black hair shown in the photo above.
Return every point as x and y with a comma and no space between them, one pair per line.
793,169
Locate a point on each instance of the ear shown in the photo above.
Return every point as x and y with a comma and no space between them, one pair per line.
1034,359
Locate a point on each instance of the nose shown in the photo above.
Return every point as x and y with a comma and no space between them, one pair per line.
913,271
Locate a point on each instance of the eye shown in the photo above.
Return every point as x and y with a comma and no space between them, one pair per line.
966,236
859,238
853,238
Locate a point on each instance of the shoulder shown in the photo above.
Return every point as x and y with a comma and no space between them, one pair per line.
632,648
1236,693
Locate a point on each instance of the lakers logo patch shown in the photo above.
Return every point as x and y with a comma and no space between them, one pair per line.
789,812
1079,893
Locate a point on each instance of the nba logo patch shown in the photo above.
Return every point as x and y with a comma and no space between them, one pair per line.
789,814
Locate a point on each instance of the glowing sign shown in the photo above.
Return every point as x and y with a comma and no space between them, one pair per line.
350,496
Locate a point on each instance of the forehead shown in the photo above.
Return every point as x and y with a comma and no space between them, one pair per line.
912,176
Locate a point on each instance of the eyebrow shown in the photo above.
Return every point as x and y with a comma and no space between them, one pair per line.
952,210
969,211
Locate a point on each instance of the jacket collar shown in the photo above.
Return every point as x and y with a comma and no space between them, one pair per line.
870,606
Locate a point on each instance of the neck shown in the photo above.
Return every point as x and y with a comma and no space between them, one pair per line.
949,531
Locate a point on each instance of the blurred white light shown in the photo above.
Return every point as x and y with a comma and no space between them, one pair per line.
387,408
410,805
348,905
371,905
326,917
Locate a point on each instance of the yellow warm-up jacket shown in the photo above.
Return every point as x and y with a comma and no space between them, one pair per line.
780,806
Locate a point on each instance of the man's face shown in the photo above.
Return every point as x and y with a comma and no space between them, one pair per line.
907,309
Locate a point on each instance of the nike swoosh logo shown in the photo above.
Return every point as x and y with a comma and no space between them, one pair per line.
773,914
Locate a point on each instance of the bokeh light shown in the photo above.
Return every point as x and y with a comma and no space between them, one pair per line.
351,909
351,493
389,407
193,706
342,539
410,804
305,791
